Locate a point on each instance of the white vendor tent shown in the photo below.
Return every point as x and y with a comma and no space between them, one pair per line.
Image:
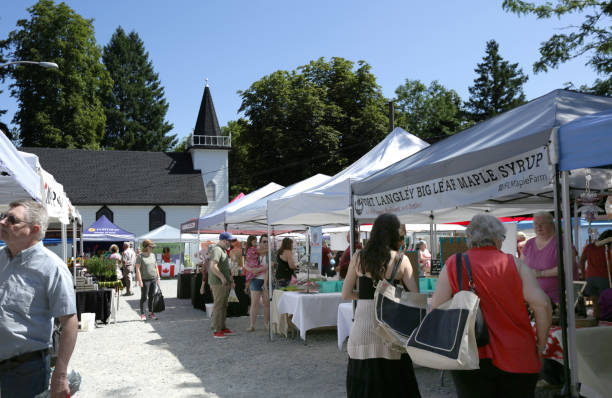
17,179
501,166
167,233
328,203
254,215
217,219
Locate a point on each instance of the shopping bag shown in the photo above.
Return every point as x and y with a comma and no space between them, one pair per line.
446,339
232,296
398,312
158,301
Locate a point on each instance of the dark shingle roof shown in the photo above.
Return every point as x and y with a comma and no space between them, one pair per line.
124,177
207,123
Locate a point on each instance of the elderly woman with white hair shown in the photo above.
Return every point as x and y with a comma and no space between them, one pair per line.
510,362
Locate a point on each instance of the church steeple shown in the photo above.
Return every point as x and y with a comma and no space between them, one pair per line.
207,133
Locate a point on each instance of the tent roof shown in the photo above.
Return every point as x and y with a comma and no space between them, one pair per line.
505,141
255,214
17,179
217,219
104,230
167,233
328,203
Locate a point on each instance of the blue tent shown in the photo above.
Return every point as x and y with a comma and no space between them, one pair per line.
105,231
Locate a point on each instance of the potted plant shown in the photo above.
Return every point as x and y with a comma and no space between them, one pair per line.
102,268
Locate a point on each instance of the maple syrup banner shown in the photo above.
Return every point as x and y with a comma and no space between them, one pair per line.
529,171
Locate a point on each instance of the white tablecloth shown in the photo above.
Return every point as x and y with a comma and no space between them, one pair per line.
310,310
345,322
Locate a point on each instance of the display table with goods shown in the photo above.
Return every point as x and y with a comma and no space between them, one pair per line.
345,322
310,310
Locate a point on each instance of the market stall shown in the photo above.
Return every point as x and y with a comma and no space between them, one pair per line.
506,165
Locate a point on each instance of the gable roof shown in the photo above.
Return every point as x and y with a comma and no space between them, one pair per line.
124,177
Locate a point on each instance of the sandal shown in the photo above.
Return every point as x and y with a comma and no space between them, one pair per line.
250,329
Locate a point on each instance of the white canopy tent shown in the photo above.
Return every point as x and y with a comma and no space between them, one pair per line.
254,215
500,166
217,220
167,233
17,179
328,203
463,175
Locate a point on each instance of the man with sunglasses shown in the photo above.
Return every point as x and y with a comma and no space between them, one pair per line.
35,287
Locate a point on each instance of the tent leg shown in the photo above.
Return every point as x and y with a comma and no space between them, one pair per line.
569,260
270,292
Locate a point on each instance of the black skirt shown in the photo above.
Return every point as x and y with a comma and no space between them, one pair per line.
379,377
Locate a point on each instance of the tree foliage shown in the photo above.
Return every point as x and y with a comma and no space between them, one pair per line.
431,113
57,108
135,107
498,86
592,38
316,119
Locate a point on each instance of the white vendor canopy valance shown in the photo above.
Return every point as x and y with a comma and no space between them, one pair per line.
328,203
17,179
167,233
501,166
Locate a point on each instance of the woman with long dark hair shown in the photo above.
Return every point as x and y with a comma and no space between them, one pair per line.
374,368
286,264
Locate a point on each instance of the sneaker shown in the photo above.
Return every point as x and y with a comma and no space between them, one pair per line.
228,332
143,317
152,316
219,335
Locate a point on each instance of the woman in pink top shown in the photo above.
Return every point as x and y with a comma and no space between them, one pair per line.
510,362
424,258
256,277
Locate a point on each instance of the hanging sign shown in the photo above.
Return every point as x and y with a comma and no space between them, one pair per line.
316,245
526,172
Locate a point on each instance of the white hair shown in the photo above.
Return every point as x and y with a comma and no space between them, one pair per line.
35,214
484,230
546,215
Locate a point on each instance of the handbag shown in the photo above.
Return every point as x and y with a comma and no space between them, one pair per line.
446,339
158,301
398,311
480,327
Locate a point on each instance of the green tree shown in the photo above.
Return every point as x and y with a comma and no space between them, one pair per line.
58,108
3,72
498,87
135,107
431,113
316,119
591,38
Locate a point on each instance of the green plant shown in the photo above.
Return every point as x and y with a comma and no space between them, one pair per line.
100,266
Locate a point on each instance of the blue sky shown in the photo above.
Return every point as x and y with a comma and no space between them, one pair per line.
235,43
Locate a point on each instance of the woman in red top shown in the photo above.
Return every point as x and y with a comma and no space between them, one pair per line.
597,272
510,363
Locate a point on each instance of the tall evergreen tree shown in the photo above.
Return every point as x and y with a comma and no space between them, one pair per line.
498,87
57,108
135,107
431,113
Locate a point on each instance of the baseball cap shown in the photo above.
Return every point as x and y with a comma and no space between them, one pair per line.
226,236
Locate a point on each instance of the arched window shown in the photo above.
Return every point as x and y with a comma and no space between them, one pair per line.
157,218
105,211
211,191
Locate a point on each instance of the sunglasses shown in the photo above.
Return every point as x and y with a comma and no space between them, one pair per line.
11,219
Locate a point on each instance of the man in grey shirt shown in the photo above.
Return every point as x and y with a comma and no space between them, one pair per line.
35,287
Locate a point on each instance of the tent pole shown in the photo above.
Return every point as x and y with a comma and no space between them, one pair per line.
568,253
352,244
269,254
74,249
561,281
64,243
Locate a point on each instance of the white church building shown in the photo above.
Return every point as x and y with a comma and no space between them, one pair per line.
140,191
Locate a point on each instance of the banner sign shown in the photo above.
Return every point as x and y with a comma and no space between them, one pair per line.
526,172
316,245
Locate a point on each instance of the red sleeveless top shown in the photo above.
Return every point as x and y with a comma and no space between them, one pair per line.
512,346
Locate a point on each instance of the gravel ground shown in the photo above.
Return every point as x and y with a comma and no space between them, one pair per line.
176,356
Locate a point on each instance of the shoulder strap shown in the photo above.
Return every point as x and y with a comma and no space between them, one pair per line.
469,270
459,265
396,268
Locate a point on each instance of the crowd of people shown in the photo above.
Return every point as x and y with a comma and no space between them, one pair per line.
517,296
